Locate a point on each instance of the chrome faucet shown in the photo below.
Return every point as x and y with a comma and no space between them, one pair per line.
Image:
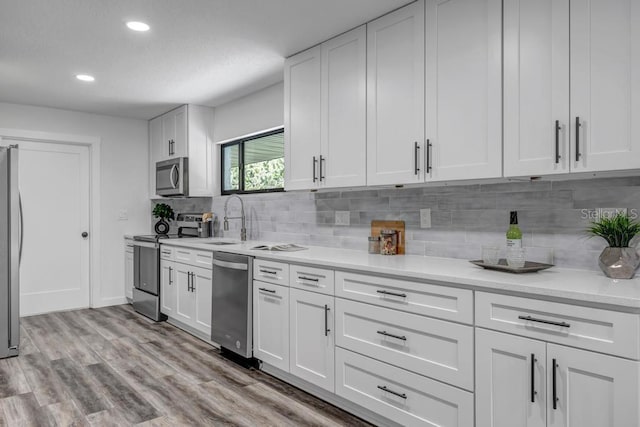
243,229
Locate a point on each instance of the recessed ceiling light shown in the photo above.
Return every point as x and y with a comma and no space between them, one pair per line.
137,26
85,77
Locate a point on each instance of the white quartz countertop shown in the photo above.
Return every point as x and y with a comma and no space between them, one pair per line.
578,285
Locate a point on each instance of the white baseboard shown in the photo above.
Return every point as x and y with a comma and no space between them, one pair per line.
106,302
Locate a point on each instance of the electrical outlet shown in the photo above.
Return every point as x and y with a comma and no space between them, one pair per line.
343,218
123,215
425,218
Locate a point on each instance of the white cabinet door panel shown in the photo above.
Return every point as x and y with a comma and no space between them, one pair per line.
506,366
464,88
395,96
202,282
536,87
593,390
605,84
311,338
271,324
344,114
168,288
302,119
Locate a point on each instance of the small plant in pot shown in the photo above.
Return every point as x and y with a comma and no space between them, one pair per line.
618,260
165,213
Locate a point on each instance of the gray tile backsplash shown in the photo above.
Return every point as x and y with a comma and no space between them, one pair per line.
463,217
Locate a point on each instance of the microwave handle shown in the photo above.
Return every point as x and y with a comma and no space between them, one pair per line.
174,172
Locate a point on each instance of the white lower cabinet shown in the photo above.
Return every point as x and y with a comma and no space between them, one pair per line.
526,382
186,289
311,337
399,395
128,268
168,288
271,324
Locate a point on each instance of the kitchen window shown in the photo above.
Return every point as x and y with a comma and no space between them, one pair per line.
254,164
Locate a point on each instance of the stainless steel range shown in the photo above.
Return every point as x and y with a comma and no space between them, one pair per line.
146,264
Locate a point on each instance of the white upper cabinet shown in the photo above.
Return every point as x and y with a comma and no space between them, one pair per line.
605,84
302,119
463,89
344,114
395,97
536,87
184,132
325,114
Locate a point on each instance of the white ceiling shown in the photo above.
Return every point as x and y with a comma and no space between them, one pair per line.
203,52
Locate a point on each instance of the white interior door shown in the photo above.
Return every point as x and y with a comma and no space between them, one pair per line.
54,186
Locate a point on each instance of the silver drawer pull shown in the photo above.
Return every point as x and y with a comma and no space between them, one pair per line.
387,334
395,393
267,290
268,271
548,322
392,293
311,279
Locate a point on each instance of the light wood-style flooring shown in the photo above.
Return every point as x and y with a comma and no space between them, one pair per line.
113,367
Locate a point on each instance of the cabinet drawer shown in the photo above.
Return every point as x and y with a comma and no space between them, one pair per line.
166,253
435,348
595,329
311,279
271,271
421,298
194,257
399,395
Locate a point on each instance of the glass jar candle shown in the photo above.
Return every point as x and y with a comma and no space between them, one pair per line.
388,242
374,244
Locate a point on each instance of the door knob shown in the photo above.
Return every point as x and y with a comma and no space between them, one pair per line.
85,234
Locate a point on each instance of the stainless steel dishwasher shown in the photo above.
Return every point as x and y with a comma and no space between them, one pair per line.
232,304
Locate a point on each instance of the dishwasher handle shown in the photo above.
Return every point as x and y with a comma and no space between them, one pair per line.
232,265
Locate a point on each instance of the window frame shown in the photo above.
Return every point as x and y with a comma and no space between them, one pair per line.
240,142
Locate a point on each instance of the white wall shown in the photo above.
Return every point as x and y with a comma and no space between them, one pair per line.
124,178
258,111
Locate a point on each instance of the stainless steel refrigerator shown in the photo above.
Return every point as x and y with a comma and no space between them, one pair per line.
10,252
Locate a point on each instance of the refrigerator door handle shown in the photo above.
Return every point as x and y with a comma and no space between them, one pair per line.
21,228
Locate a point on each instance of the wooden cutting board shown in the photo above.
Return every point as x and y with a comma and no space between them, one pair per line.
377,225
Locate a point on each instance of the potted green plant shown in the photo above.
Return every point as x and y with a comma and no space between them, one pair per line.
618,260
165,213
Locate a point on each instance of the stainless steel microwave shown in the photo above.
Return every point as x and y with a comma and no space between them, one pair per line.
172,177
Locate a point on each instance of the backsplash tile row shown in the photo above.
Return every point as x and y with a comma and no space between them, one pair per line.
463,218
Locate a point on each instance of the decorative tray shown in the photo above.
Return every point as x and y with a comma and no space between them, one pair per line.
529,266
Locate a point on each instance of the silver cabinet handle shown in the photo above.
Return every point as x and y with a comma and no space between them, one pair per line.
558,128
268,272
170,280
267,290
322,160
429,148
548,322
416,149
391,293
385,389
326,320
315,162
311,279
578,124
387,334
21,228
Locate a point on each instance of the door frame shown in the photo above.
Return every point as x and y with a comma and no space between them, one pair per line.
94,145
